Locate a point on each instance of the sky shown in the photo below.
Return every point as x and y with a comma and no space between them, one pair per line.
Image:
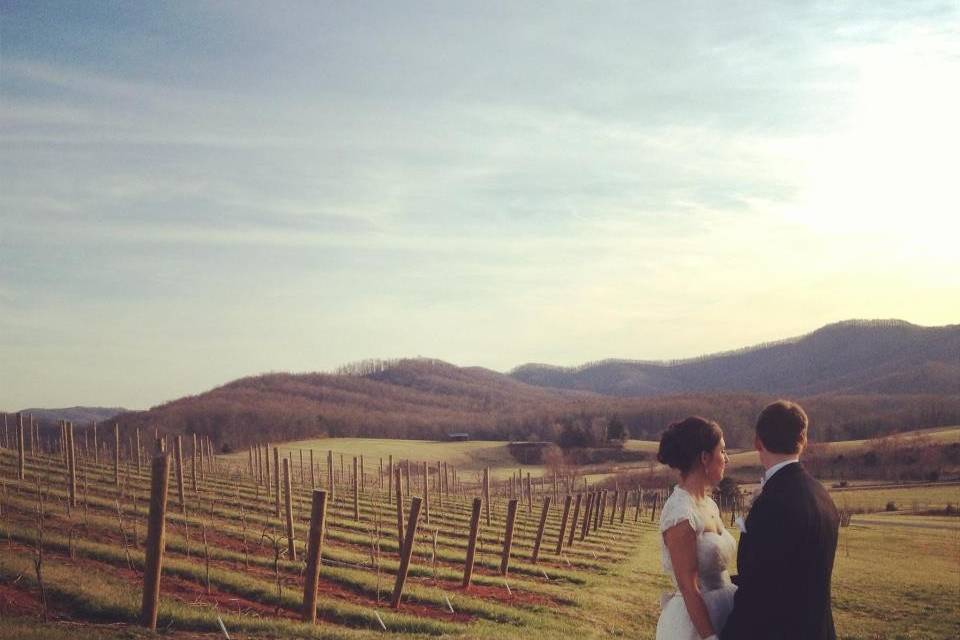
191,192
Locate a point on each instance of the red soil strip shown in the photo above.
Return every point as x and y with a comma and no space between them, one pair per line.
334,591
18,602
196,594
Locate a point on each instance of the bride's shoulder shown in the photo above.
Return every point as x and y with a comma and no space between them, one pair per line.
713,506
680,507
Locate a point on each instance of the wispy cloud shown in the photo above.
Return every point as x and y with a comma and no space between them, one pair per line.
488,184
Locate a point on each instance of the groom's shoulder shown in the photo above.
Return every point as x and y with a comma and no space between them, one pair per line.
791,484
817,497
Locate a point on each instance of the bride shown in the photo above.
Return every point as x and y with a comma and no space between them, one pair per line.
696,548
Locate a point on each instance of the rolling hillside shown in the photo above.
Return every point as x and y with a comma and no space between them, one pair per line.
856,380
848,358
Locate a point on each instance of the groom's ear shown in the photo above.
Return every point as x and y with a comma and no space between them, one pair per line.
757,444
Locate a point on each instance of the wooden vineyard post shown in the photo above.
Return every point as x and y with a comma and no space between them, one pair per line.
203,459
399,513
390,478
486,493
301,468
330,482
116,454
623,507
472,542
636,515
288,500
34,437
178,459
356,491
426,491
139,461
597,503
363,478
318,514
155,541
613,505
21,464
63,443
445,485
407,477
72,465
543,522
380,476
508,536
264,453
563,522
211,461
96,451
276,484
587,510
440,485
200,458
313,475
406,552
529,495
653,507
193,464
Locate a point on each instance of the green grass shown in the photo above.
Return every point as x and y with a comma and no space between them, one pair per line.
893,582
469,457
542,595
905,497
890,582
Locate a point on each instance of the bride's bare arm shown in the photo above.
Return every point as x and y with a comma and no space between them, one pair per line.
681,542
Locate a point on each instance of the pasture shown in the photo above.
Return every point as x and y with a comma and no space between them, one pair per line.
227,556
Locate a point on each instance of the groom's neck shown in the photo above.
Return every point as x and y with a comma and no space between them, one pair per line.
768,459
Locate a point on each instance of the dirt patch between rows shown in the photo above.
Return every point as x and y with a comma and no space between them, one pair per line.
18,602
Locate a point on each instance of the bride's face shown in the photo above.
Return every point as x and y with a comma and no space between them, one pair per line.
716,463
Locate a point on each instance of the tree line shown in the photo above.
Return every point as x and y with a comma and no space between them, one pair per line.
430,399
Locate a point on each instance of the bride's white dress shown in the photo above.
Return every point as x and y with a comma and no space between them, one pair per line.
715,553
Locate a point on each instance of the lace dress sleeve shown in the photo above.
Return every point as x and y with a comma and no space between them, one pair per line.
678,508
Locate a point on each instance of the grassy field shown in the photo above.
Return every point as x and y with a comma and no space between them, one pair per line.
904,498
471,456
896,575
89,571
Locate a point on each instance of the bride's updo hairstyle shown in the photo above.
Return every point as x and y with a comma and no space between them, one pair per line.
683,442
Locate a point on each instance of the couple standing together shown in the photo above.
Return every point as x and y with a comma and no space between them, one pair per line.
787,542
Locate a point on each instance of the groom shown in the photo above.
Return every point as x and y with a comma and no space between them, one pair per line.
786,551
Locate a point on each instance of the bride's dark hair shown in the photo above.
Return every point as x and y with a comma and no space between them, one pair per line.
683,442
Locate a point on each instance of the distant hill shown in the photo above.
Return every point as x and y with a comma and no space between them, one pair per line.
848,358
77,415
428,399
413,398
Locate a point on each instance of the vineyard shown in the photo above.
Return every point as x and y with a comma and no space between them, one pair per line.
300,543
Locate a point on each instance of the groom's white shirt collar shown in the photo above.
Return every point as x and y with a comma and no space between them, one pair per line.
772,470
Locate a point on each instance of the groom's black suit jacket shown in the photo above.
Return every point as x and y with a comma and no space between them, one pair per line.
784,562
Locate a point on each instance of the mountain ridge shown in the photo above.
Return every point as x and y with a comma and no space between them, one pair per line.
856,380
853,356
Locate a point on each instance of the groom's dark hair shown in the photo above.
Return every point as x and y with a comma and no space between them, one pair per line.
782,427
